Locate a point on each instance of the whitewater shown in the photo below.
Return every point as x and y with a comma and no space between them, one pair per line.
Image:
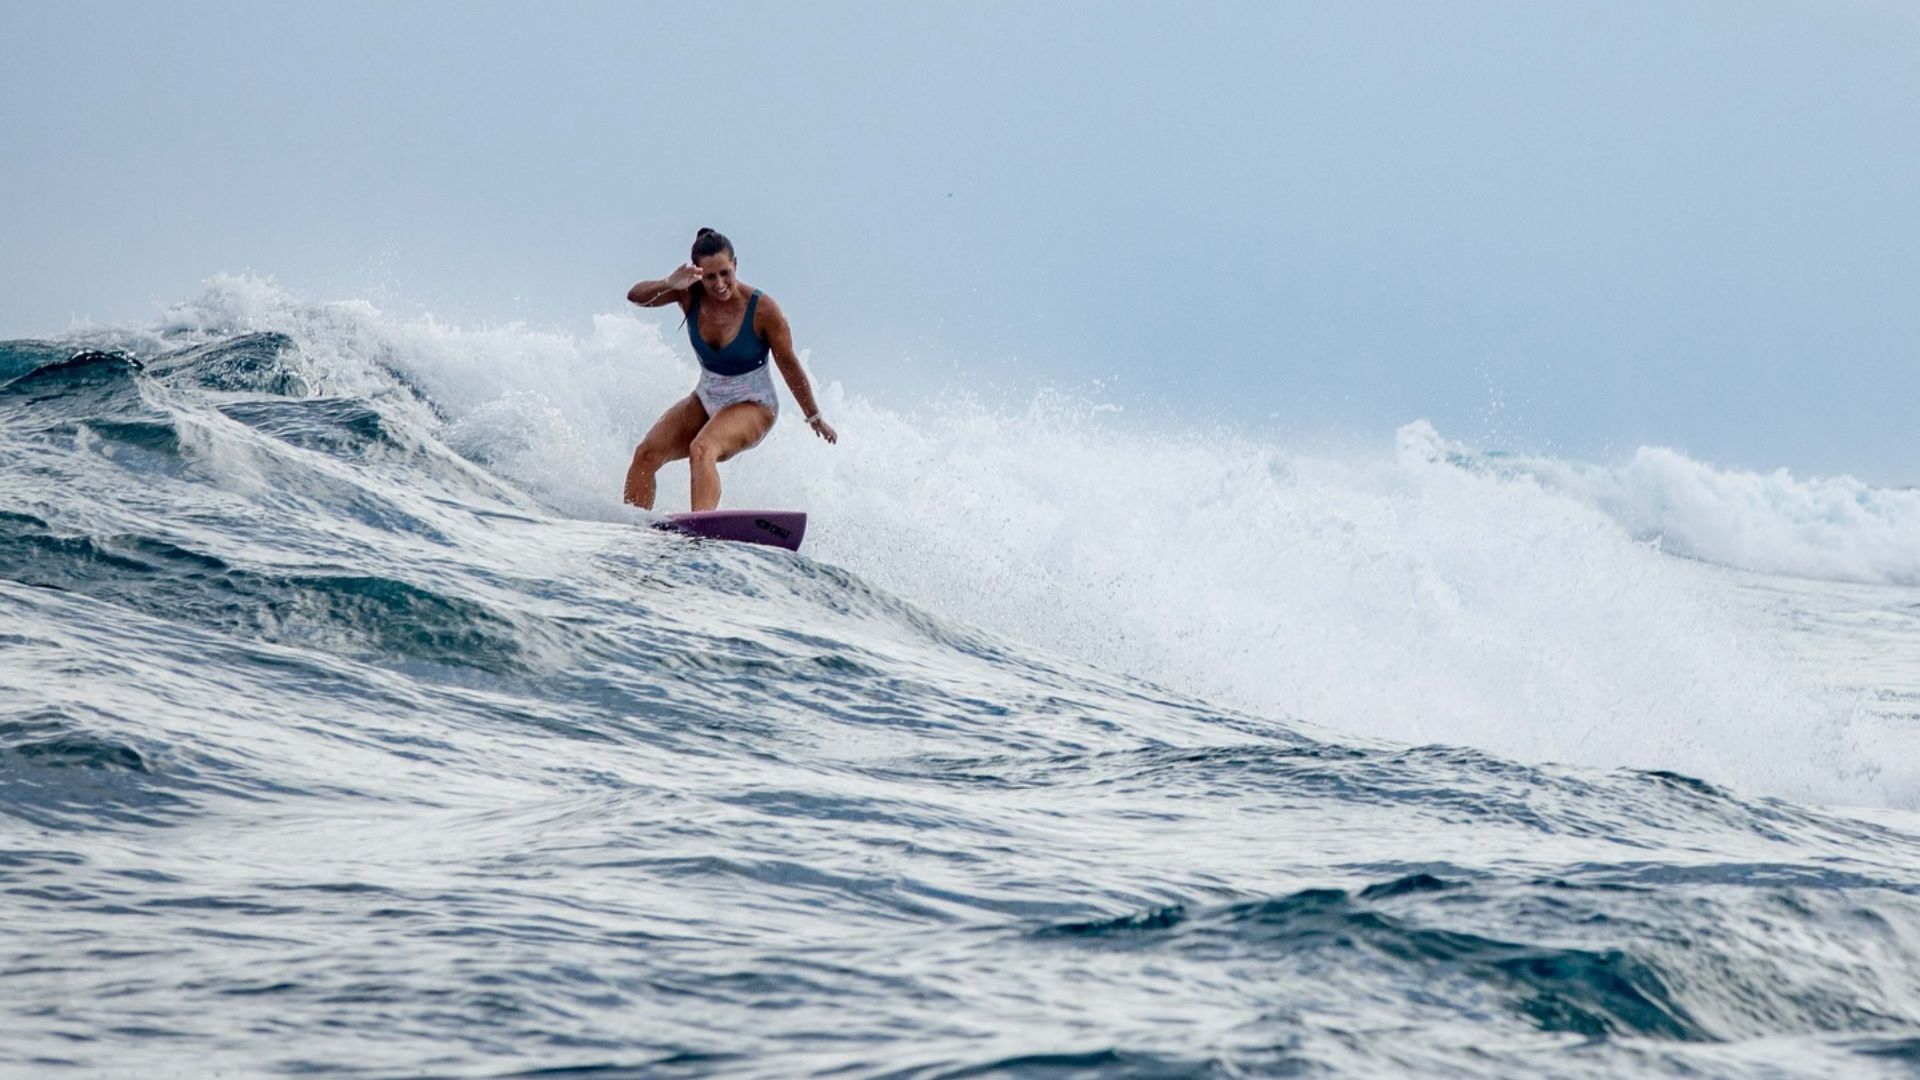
350,725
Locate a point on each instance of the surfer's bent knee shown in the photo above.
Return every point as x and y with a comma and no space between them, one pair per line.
702,449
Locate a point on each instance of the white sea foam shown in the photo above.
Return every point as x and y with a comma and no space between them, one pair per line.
1832,528
1418,593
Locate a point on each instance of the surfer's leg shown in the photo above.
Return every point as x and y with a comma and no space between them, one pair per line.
668,441
735,428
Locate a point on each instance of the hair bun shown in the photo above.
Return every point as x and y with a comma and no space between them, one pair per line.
702,232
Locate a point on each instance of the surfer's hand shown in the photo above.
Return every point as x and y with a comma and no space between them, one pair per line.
824,430
683,275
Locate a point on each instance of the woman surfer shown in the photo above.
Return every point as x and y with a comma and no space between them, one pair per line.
733,326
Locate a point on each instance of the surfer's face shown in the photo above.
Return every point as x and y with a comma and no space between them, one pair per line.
716,273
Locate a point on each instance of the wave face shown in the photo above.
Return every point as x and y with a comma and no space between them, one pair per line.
349,724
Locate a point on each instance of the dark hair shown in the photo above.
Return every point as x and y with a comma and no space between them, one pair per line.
707,242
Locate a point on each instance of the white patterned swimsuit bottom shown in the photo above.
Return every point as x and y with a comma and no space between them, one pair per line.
716,392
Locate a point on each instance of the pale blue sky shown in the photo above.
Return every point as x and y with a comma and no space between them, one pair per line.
1571,227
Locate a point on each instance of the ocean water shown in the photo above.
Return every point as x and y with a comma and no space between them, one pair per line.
350,726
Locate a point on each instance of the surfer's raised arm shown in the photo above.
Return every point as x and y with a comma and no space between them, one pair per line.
668,290
771,324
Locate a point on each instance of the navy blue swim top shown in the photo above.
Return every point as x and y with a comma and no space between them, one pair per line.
746,352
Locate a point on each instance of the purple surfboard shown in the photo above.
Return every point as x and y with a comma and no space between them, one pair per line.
778,528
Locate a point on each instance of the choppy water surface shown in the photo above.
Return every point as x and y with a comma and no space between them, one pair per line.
349,726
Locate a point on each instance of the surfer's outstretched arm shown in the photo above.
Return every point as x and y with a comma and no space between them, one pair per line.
771,323
671,289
